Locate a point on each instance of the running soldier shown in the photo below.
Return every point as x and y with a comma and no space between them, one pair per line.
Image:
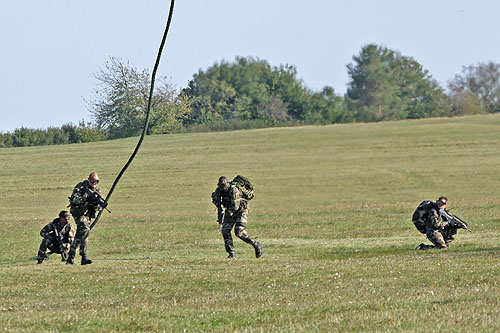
234,198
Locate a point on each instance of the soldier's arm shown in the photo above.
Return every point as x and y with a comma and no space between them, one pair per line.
65,230
45,232
216,196
235,200
77,196
437,221
98,191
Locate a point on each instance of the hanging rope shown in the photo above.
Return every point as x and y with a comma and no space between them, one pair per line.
146,122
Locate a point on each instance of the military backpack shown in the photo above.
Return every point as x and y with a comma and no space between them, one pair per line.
245,186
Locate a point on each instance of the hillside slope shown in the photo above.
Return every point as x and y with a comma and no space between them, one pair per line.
333,209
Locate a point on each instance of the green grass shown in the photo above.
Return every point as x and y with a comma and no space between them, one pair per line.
333,209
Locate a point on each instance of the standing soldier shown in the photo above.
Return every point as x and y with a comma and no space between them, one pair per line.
58,236
83,207
234,197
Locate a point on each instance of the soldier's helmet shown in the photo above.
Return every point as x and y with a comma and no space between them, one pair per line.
93,179
222,183
441,201
65,214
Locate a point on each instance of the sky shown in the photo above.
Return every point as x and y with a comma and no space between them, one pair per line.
51,49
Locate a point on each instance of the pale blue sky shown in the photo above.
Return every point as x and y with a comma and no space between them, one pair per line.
52,48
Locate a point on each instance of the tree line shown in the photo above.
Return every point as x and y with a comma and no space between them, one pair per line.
250,93
67,133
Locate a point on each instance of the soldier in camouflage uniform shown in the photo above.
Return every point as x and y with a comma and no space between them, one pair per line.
428,219
66,236
83,210
235,215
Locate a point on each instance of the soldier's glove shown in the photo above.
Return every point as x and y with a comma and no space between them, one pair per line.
454,224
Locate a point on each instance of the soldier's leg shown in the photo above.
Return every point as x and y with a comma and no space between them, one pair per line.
240,230
83,241
68,241
437,239
43,248
227,226
449,235
82,233
76,241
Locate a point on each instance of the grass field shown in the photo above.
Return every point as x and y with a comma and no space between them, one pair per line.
333,209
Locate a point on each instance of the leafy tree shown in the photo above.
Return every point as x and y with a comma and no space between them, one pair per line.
5,140
85,132
56,136
22,137
388,86
465,103
119,105
329,107
250,89
481,80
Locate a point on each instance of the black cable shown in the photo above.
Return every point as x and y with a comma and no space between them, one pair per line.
146,122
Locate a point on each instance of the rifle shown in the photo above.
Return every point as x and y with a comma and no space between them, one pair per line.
96,198
59,244
220,211
454,220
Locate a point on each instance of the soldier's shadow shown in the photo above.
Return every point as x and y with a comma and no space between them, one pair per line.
47,256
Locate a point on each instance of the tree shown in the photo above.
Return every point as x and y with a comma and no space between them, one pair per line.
388,86
5,140
481,80
465,103
250,89
372,91
118,106
328,107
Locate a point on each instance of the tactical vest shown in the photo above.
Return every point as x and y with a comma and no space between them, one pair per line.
79,203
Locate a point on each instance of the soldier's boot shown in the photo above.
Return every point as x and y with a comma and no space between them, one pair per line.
70,260
423,246
40,257
258,249
86,261
231,255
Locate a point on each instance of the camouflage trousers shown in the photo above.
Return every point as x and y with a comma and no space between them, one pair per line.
239,223
82,233
441,238
50,244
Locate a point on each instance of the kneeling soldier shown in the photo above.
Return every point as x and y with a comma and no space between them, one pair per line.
58,236
428,219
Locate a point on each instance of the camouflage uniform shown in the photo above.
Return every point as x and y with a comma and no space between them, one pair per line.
235,215
66,232
83,210
428,220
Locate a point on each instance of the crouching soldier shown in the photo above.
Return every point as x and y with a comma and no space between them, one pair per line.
58,236
430,219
